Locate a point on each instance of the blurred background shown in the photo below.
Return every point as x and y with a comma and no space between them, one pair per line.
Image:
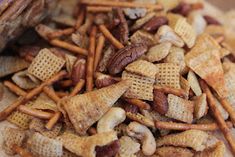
224,4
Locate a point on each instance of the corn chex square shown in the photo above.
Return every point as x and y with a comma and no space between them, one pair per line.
185,31
168,75
141,88
45,65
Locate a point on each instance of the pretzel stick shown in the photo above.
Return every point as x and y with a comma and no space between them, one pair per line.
220,39
168,90
14,88
78,87
139,103
21,151
97,9
35,112
184,126
23,99
90,60
80,19
121,4
228,107
51,94
110,37
220,121
59,33
65,83
61,94
68,46
98,51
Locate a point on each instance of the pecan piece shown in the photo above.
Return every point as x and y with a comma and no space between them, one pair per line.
121,31
78,71
130,108
211,20
183,9
103,80
109,150
155,23
125,56
160,103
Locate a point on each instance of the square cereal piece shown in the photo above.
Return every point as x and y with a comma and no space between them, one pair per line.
168,75
143,68
141,88
45,65
180,109
20,119
185,31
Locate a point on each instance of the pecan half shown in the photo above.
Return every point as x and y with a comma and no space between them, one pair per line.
125,56
183,9
160,103
130,108
211,20
109,150
78,71
121,31
155,23
103,80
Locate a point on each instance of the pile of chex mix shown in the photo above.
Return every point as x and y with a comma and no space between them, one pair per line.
110,78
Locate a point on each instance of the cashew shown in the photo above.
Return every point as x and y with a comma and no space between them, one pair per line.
112,118
142,133
166,33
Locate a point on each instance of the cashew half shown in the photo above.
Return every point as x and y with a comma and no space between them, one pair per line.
112,118
142,133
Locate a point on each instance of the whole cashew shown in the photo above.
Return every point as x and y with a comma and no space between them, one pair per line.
142,133
112,118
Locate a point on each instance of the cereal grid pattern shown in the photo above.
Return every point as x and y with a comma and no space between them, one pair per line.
43,146
12,136
39,126
141,88
20,119
180,109
143,68
168,75
185,31
45,65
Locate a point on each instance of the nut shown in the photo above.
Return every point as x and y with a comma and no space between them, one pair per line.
121,31
112,118
183,9
78,71
211,20
109,150
124,56
103,80
166,33
160,103
131,108
142,133
155,23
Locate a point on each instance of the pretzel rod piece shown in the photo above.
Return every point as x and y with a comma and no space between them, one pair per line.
59,33
96,9
184,126
80,19
23,99
90,60
34,112
68,46
139,103
66,83
78,87
121,4
61,94
168,90
21,151
220,39
53,120
110,37
51,94
98,51
228,107
14,88
217,115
